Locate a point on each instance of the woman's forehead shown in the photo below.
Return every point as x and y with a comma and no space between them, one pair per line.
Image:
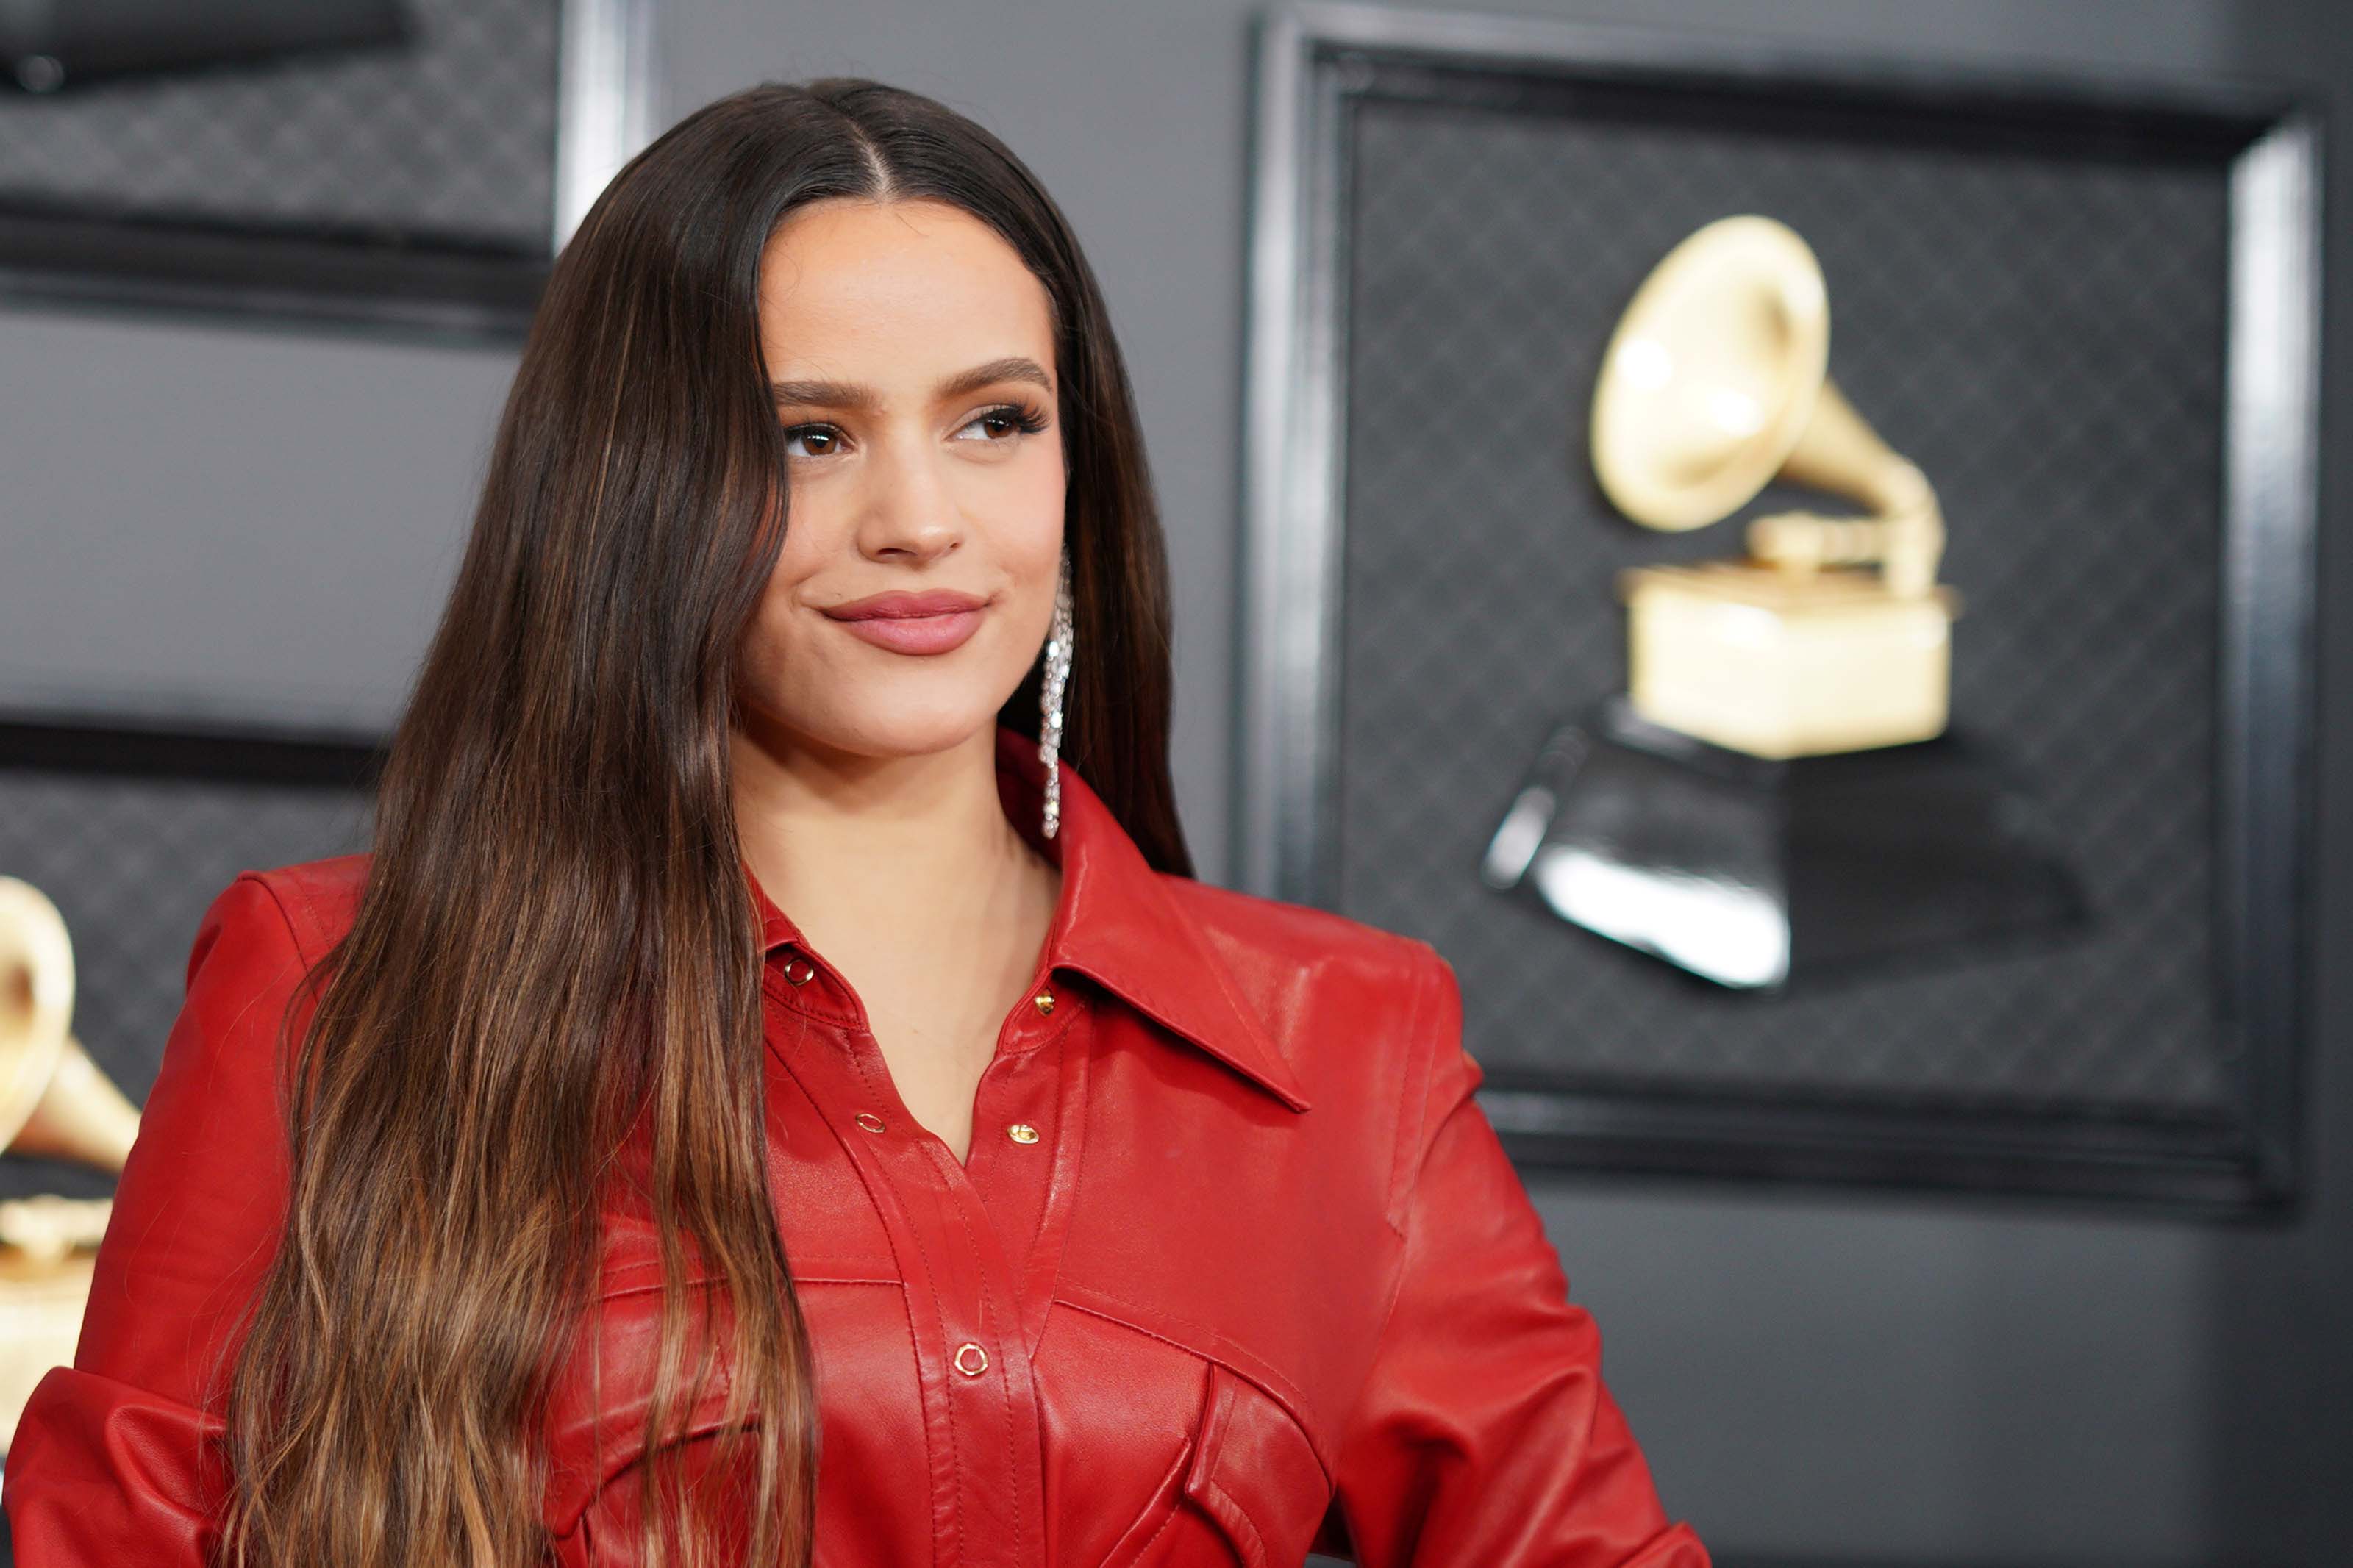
841,263
894,298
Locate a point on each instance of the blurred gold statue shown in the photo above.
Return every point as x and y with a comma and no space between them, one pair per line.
1714,384
1776,797
56,1103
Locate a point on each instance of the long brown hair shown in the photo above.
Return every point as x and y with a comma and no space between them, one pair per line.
548,1010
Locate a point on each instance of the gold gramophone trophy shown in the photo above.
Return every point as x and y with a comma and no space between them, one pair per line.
1777,790
55,1103
1834,635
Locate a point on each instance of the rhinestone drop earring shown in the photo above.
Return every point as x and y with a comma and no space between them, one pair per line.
1049,696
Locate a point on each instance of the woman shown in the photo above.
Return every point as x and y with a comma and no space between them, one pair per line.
776,1035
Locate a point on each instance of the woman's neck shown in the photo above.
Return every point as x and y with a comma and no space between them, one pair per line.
864,854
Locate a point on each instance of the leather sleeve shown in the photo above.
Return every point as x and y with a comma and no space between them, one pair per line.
116,1458
1484,1436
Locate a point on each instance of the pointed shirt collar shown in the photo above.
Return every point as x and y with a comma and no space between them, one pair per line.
1119,923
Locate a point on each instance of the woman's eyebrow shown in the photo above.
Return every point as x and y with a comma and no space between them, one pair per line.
848,394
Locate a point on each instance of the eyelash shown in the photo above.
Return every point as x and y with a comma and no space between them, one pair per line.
1027,420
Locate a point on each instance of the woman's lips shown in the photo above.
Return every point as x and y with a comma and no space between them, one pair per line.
914,634
930,621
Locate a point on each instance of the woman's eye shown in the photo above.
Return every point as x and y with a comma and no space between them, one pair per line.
996,425
1006,420
824,435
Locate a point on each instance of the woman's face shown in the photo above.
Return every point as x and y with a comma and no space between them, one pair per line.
911,354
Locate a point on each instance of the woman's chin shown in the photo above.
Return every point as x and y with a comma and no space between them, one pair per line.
900,725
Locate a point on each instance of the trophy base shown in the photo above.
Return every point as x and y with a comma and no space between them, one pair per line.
1754,874
41,1305
1754,659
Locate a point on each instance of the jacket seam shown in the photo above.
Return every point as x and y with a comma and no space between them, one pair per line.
1234,1357
1257,1541
1073,1069
294,928
1417,1066
883,1202
931,1284
989,1314
785,998
1401,1210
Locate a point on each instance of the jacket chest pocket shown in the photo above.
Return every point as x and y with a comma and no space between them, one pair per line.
597,1433
1245,1487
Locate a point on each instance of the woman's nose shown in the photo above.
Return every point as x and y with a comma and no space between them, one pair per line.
909,509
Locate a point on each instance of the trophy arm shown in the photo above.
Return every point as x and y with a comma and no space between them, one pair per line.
1902,529
82,1116
1905,537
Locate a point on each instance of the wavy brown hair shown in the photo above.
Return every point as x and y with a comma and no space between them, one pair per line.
547,1011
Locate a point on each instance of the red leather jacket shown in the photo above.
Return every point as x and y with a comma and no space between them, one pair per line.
1235,1269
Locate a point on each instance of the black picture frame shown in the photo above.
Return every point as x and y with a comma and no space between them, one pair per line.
134,829
292,270
1317,64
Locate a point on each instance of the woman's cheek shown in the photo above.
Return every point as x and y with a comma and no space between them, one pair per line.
770,657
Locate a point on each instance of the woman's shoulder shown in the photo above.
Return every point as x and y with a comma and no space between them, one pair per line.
1368,1019
316,899
1251,928
1323,983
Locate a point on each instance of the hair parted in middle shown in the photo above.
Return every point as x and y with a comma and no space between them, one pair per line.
541,1039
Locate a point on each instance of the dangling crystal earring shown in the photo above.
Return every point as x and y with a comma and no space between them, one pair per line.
1049,696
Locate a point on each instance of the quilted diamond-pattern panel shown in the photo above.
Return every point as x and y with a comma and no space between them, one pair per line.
131,865
452,134
2042,334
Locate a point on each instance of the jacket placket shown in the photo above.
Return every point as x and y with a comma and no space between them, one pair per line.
976,1298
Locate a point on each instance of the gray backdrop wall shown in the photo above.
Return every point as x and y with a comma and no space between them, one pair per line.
1932,1380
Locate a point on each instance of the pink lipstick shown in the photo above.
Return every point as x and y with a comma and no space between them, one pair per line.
931,622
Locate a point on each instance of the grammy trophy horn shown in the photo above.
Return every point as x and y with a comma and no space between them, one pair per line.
54,1101
1714,384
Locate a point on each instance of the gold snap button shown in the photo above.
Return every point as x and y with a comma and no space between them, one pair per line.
972,1353
1045,1000
868,1120
798,971
1022,1133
